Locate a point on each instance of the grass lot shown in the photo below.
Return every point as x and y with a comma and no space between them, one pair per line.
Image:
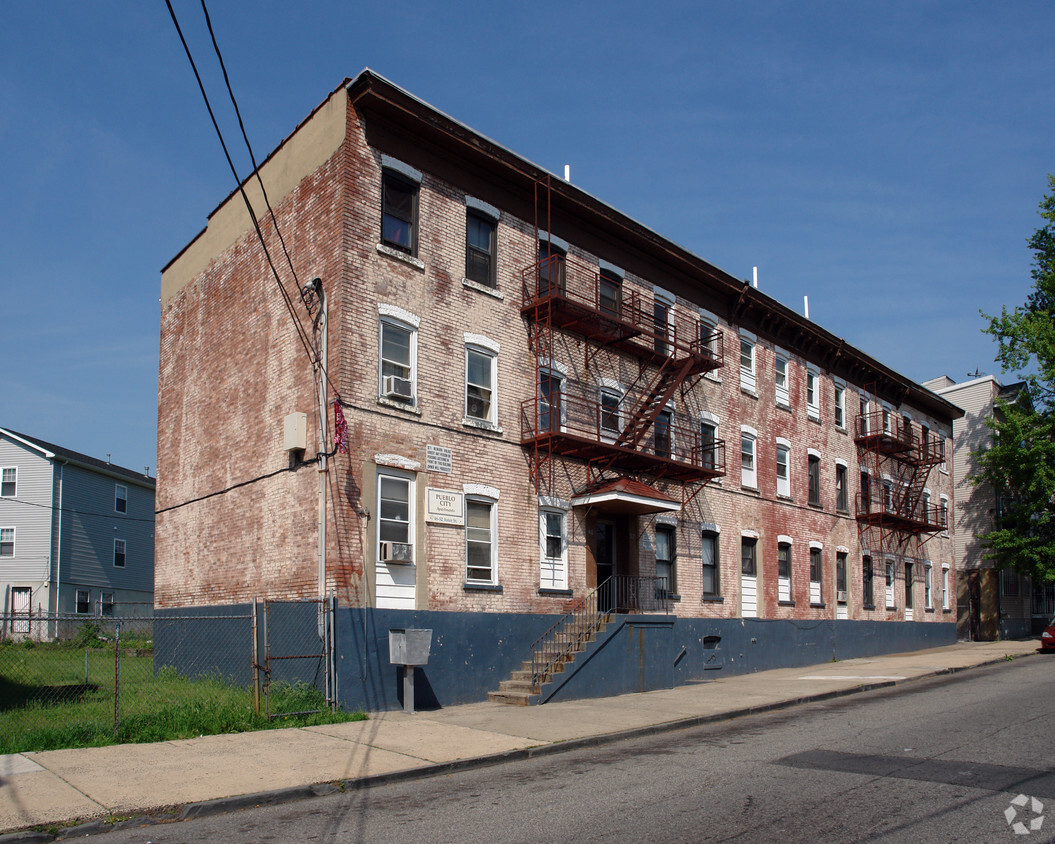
56,696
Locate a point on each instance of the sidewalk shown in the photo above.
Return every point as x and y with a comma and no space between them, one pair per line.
180,779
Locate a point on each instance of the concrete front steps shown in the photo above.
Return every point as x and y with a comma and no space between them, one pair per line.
518,690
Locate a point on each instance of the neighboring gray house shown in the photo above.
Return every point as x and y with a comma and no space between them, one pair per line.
76,537
992,603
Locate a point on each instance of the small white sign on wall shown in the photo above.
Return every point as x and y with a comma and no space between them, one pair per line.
444,506
439,459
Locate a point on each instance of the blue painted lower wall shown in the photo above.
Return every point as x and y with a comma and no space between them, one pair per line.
472,652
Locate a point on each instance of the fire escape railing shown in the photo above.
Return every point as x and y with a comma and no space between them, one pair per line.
619,594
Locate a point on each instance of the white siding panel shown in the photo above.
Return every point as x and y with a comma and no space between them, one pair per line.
29,512
748,596
395,586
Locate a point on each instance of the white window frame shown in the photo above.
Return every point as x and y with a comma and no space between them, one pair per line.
945,448
842,464
714,532
120,498
747,374
785,591
106,604
784,484
928,597
813,403
120,547
558,373
492,539
610,391
398,323
813,458
890,575
839,416
709,420
4,470
709,338
558,566
668,413
943,512
816,595
87,602
491,355
407,478
862,402
749,475
945,603
10,532
672,562
782,392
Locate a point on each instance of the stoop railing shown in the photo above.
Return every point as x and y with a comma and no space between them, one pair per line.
618,594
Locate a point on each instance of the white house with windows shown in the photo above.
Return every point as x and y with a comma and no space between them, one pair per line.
76,537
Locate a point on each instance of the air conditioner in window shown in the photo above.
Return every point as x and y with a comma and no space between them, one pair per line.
396,552
395,387
840,596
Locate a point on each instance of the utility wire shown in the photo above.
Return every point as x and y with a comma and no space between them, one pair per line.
301,333
117,517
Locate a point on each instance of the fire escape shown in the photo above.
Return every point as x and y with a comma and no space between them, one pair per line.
634,434
894,513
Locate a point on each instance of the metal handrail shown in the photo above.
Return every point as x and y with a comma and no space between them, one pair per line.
618,594
931,515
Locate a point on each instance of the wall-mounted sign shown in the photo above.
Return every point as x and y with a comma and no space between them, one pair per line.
444,506
438,459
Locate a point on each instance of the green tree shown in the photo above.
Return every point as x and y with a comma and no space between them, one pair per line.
1021,462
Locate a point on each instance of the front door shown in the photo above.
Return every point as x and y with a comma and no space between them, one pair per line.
908,592
605,557
20,599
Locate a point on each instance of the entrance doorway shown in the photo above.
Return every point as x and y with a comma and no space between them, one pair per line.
606,559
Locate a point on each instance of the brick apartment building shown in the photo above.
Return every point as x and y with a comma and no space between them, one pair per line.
542,396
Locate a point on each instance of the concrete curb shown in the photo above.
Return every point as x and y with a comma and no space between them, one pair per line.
223,805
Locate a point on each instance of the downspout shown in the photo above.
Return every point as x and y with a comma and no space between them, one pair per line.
321,327
58,550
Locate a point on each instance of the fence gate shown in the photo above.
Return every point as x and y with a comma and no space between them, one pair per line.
295,672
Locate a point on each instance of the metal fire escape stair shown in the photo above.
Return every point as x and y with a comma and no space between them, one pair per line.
671,375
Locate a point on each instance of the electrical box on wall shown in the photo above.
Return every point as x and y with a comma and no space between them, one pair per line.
295,432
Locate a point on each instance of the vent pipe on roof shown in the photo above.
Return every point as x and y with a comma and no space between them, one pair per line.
806,306
754,279
567,172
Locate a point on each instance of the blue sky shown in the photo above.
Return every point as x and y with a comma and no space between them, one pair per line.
885,159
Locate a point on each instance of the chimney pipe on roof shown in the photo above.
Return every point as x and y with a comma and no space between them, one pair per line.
755,278
806,306
567,172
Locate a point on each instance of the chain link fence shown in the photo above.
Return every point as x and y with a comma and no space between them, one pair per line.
74,681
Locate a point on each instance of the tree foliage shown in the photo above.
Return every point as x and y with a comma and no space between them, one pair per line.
1020,465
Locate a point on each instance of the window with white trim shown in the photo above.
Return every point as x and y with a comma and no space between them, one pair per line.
399,211
783,468
816,571
106,604
711,579
783,396
708,438
813,394
551,409
840,577
867,583
7,542
84,602
709,337
747,361
784,592
481,372
553,547
662,436
842,498
480,546
840,406
552,259
8,482
610,293
944,454
120,498
862,424
661,325
395,517
397,374
927,597
119,553
748,470
813,473
946,602
890,585
943,514
666,559
609,409
480,237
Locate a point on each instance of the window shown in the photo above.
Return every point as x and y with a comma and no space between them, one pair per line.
106,607
709,546
708,435
840,576
840,406
890,585
8,482
709,336
7,542
783,472
399,212
865,504
784,571
479,540
480,385
909,597
119,553
120,498
550,269
747,362
748,560
609,294
782,395
480,249
887,421
813,394
927,598
666,556
660,320
842,503
813,470
398,344
943,514
863,425
888,495
816,572
945,603
661,429
550,406
84,603
748,474
554,550
1009,583
610,421
395,524
944,442
867,587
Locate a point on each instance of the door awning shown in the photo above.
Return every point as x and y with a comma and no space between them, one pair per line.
626,496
